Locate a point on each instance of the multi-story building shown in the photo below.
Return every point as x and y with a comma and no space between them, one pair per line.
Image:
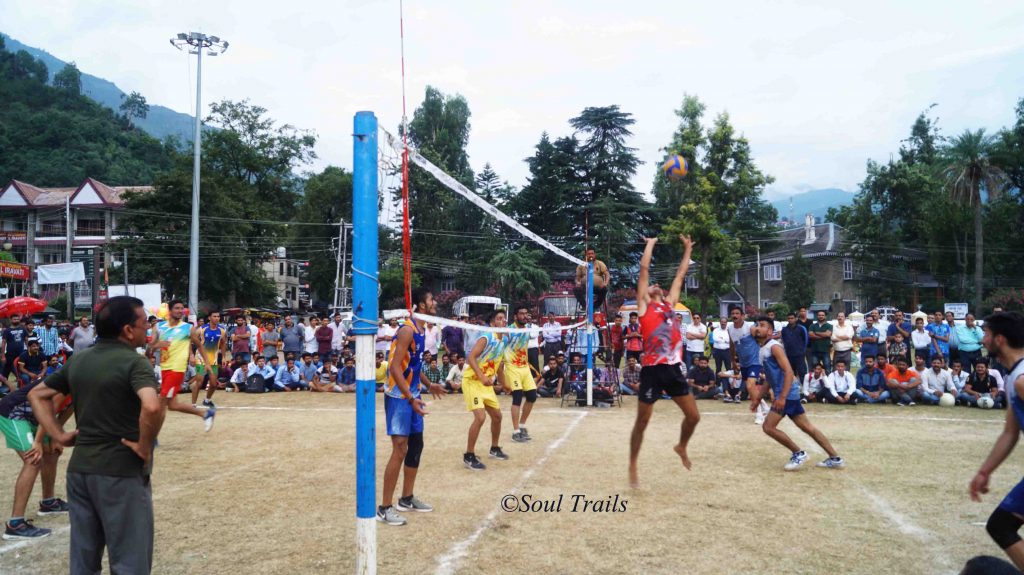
289,277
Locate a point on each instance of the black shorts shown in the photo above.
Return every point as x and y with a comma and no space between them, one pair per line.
663,378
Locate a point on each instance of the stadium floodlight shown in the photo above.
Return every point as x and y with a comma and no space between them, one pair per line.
197,43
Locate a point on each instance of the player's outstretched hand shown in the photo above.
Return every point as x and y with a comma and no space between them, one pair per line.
437,391
651,241
687,242
979,485
418,406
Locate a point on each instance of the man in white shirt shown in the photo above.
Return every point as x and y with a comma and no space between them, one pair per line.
777,325
309,335
935,382
431,338
385,334
842,340
696,333
254,332
337,334
840,384
454,380
552,333
921,341
720,345
814,384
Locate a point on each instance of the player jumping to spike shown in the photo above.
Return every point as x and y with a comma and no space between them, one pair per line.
779,376
1004,339
662,357
519,377
404,411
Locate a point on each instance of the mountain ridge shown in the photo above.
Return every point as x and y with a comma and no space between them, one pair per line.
815,202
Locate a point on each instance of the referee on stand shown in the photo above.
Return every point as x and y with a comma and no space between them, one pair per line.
119,414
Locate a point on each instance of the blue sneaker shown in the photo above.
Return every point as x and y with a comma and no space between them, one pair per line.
23,529
55,506
208,418
796,461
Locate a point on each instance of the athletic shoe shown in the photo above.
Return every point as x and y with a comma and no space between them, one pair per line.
525,434
901,404
497,453
471,462
911,404
796,461
24,530
762,412
411,503
517,436
803,400
833,463
54,507
389,515
208,403
208,418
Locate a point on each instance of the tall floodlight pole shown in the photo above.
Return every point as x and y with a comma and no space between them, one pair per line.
196,43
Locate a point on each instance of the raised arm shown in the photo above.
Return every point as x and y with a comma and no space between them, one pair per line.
684,266
644,279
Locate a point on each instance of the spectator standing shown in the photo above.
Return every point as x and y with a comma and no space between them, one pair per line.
935,382
696,334
795,339
898,348
324,337
840,385
49,337
14,337
293,338
901,326
746,351
338,336
842,340
633,337
431,338
453,340
871,387
969,338
255,345
820,335
270,340
959,376
954,343
616,334
552,334
921,340
939,332
381,371
720,345
309,335
868,337
803,319
533,344
119,414
240,336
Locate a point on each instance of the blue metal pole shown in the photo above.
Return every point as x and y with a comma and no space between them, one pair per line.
364,327
590,333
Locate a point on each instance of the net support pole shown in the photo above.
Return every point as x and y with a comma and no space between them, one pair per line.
364,326
590,333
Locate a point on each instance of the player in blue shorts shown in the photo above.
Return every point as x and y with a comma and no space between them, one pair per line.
404,411
1004,340
779,376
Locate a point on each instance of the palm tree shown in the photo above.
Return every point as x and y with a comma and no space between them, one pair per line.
969,170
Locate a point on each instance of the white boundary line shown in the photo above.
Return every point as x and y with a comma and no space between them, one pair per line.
380,409
449,562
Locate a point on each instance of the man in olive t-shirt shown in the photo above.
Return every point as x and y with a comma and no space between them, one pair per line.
119,414
820,335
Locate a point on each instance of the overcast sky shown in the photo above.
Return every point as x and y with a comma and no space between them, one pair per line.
817,87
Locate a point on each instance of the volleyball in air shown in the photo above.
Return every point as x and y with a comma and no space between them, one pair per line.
675,167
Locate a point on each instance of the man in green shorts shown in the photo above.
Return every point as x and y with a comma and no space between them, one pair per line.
38,455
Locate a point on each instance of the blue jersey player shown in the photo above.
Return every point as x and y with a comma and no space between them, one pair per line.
779,376
1004,340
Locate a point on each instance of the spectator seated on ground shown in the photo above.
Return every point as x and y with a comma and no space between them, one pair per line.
935,382
31,364
814,388
732,383
326,379
347,375
431,372
552,380
840,385
871,386
982,382
604,385
702,380
318,361
904,383
630,382
238,378
959,377
307,371
453,381
288,377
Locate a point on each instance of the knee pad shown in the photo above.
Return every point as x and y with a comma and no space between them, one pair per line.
412,456
1002,526
531,396
517,397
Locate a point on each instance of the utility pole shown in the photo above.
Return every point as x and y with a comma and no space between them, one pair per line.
344,263
70,232
758,248
337,260
125,266
197,43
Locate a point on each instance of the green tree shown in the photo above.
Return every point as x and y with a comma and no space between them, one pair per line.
798,281
968,170
326,200
518,274
68,80
718,252
543,205
134,107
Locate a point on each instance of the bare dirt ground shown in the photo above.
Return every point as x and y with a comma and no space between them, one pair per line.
272,490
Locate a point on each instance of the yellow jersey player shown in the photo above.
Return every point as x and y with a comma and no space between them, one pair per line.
485,359
174,340
518,375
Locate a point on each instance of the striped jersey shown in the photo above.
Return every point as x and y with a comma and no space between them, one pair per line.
411,363
175,357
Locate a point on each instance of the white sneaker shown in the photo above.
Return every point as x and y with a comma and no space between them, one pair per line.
795,461
762,412
831,463
208,418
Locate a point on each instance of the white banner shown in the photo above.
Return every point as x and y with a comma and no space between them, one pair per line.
465,192
73,272
474,327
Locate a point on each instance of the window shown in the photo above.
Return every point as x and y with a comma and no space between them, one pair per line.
736,277
448,283
280,269
847,269
90,227
773,272
692,282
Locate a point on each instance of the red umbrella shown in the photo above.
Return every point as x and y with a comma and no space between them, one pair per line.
21,306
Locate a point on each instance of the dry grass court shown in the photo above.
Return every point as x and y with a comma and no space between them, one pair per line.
272,488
